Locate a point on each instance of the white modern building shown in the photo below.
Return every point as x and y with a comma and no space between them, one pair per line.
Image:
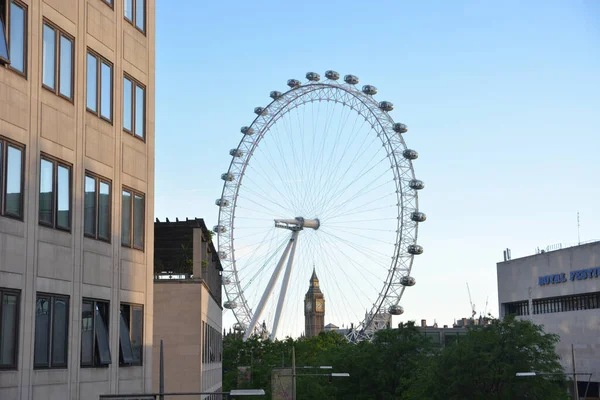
559,289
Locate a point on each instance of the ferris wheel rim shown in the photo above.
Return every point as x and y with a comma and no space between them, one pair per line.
234,290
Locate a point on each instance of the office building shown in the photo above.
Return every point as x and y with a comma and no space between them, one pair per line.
187,308
76,204
559,289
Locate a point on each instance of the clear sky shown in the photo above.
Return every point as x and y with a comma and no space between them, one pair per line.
502,100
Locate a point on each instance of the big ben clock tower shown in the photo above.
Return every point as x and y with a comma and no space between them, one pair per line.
314,308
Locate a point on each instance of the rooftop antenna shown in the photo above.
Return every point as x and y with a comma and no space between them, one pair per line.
578,237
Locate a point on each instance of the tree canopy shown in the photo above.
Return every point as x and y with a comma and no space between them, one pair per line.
403,363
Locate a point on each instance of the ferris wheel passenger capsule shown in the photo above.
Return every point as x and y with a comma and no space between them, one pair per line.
219,228
415,249
386,105
399,128
418,216
330,74
236,153
396,310
260,111
313,76
222,202
369,90
410,154
293,83
225,281
228,177
239,327
230,305
407,281
351,79
275,94
222,255
416,184
246,130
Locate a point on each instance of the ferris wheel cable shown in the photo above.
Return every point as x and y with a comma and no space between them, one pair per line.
361,236
355,245
342,212
375,257
338,193
363,192
270,214
256,203
287,199
364,211
374,266
357,221
248,262
358,268
268,199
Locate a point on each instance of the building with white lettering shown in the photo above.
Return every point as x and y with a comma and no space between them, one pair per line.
559,289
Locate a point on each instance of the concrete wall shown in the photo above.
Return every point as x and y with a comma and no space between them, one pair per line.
518,280
35,258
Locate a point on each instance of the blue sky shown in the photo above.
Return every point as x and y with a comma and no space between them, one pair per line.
502,102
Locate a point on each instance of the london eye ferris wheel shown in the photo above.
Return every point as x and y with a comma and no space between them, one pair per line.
321,179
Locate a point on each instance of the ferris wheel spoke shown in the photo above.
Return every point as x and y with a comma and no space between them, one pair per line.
366,249
340,212
284,195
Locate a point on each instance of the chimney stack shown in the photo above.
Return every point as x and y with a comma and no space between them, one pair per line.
464,322
423,323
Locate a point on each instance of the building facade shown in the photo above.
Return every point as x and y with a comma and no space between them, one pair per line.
314,308
187,308
76,198
560,290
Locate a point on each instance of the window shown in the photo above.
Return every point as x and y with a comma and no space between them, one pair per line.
55,193
95,347
99,86
130,334
211,350
135,13
579,302
51,331
132,219
57,59
9,328
13,32
11,178
517,308
109,3
134,109
96,213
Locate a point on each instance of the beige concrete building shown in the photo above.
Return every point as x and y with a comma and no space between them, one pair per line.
77,197
187,308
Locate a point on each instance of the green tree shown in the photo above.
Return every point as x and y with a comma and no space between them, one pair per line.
484,363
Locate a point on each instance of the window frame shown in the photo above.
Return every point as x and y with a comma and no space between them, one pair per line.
17,321
109,3
52,299
55,164
4,144
58,34
96,363
132,245
131,306
99,61
7,24
134,84
133,21
98,180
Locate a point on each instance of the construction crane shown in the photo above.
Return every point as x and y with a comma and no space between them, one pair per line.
486,305
471,301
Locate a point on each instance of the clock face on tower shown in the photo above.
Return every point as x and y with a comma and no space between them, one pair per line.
308,306
320,305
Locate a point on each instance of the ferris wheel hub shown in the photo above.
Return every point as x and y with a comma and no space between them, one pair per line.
297,224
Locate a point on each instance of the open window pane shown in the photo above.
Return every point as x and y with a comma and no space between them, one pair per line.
138,221
101,334
127,104
126,219
66,67
87,333
106,91
92,94
14,189
49,56
3,43
42,332
140,17
9,325
137,325
64,197
104,211
46,192
124,338
17,37
139,111
60,322
89,212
